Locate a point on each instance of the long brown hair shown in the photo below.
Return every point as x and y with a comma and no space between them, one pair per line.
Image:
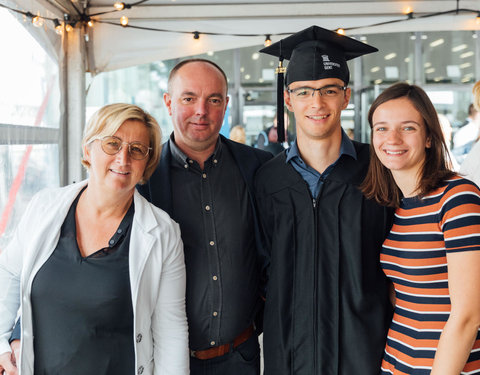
379,183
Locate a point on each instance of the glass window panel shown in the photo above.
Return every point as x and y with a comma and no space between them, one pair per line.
142,85
24,170
449,57
393,62
255,67
30,96
29,77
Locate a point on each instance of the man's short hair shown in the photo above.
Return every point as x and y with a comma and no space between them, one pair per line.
175,69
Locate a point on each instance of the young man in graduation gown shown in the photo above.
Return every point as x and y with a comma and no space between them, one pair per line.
327,308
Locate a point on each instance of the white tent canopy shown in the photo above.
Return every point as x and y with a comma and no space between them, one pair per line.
110,46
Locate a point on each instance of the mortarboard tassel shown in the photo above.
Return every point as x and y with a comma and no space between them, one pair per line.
280,71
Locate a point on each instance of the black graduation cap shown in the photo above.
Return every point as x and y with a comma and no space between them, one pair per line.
314,53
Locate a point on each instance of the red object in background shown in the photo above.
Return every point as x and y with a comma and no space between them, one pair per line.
17,182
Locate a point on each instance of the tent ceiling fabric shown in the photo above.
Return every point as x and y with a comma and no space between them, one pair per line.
113,47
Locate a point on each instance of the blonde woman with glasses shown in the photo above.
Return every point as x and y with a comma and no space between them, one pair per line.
98,272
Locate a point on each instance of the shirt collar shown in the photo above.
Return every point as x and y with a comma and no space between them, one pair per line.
182,158
346,148
292,152
177,154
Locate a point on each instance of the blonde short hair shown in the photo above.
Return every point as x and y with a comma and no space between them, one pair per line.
108,119
476,95
237,134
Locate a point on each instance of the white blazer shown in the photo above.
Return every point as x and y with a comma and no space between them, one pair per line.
157,279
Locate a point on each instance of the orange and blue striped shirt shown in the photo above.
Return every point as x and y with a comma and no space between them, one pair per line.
414,258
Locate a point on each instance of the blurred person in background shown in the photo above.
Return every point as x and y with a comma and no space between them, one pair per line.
471,165
447,134
467,135
268,139
237,134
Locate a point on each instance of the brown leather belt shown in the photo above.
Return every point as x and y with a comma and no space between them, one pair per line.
217,351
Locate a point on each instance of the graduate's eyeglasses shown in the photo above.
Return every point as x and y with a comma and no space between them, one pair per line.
112,145
329,91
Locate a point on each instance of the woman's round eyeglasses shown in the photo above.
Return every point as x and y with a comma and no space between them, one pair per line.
112,145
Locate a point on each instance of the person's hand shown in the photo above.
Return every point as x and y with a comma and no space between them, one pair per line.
7,366
15,346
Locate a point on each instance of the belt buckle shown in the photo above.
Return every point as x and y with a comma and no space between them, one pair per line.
192,353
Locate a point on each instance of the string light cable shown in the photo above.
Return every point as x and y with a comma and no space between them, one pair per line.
410,15
84,19
37,20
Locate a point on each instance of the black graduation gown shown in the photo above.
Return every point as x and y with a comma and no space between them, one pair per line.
327,309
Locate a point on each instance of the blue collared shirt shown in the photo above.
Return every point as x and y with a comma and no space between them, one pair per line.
312,177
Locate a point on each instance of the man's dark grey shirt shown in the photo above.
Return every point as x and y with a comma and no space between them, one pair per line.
213,210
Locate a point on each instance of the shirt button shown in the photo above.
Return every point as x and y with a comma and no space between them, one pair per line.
212,243
212,343
215,278
140,370
207,207
215,161
111,242
204,175
185,166
119,231
215,313
190,161
139,338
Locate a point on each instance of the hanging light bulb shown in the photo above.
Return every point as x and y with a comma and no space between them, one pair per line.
119,5
37,21
124,21
90,23
408,12
68,28
58,26
268,41
196,35
341,31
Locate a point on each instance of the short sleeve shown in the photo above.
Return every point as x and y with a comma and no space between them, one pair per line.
460,216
